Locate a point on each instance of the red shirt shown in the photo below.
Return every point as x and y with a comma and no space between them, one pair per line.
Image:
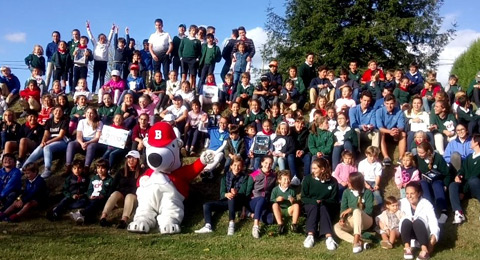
367,75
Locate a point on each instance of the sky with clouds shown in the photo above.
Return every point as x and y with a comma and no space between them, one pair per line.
30,24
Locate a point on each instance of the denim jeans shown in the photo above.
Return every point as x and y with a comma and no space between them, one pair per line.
74,147
456,188
222,205
306,159
164,62
280,161
437,199
377,195
47,153
337,153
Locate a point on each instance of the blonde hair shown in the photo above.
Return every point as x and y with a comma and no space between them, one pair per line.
39,47
410,156
277,131
372,151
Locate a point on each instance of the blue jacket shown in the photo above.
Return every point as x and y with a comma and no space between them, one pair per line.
456,146
241,63
35,190
147,59
10,182
139,84
50,50
358,118
13,84
389,120
415,79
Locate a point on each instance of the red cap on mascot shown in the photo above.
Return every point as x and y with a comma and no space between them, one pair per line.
161,134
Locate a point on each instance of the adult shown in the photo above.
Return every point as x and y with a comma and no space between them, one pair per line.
391,123
344,80
31,134
249,45
9,132
459,148
416,120
160,45
276,79
10,181
227,53
442,124
435,177
125,187
89,130
54,140
176,44
9,84
72,45
467,181
362,120
356,211
419,222
306,71
49,51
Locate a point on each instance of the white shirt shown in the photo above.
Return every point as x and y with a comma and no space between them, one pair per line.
160,41
344,101
370,170
87,130
424,212
177,112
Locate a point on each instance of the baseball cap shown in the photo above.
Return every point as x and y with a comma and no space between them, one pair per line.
264,78
161,134
273,63
115,73
134,154
134,67
178,97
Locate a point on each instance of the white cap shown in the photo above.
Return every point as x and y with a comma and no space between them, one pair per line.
134,154
168,118
115,73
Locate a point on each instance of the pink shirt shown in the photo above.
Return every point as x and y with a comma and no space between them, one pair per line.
342,172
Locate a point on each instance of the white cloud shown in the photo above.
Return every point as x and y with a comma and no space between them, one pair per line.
259,37
16,37
461,42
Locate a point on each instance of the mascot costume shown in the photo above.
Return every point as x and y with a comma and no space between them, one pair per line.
163,187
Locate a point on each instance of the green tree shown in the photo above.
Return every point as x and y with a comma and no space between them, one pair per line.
393,32
467,65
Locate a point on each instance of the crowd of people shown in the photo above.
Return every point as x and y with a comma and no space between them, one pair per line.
328,135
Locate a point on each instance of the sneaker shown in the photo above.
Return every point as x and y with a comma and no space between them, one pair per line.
19,164
367,246
281,229
46,174
294,228
122,224
423,256
77,217
443,218
104,222
256,232
204,230
309,241
357,248
386,244
295,181
459,218
407,254
231,229
331,244
387,161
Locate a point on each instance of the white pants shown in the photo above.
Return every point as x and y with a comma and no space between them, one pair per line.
116,96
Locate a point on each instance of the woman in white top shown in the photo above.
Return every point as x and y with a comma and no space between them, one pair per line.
88,134
419,222
417,119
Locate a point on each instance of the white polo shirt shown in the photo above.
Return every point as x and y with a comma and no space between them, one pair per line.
160,41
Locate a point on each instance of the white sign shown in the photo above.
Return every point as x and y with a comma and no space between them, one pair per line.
210,94
114,137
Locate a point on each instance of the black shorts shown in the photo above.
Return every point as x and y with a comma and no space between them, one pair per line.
189,65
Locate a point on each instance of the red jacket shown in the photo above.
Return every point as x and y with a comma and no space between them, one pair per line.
435,90
27,93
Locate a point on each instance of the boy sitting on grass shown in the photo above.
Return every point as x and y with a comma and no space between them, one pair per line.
284,203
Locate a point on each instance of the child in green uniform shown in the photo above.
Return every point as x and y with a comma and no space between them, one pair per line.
284,204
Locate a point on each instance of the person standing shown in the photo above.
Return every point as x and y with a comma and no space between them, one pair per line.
160,45
227,50
50,50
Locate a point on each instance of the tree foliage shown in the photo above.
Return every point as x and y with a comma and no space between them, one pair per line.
393,32
467,64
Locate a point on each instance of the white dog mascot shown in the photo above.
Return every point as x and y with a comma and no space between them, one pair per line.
163,187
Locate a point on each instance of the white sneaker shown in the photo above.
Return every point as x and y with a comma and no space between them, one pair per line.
443,218
459,218
77,217
204,230
309,241
357,248
231,229
46,174
18,165
295,181
256,232
331,244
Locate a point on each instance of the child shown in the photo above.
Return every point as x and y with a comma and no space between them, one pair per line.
100,55
74,190
159,87
34,195
266,92
235,118
430,90
374,86
179,111
235,146
114,87
218,140
81,56
331,118
262,144
46,110
389,221
346,102
320,86
371,169
372,70
320,105
189,52
319,196
452,88
343,170
250,132
77,112
210,55
135,83
36,75
62,62
390,79
255,115
30,98
36,60
345,139
191,128
113,153
284,203
419,137
173,85
299,134
99,190
466,115
415,78
320,140
82,90
227,93
62,101
289,95
289,116
406,173
186,93
244,90
56,90
107,110
283,145
240,65
274,115
214,116
233,195
146,105
122,54
261,182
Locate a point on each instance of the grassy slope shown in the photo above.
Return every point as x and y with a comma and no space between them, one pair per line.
37,238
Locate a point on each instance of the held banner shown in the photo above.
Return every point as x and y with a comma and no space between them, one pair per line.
114,137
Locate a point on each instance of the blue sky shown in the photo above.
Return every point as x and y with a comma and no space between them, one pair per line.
26,24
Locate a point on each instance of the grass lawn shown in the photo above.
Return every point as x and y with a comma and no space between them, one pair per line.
37,238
